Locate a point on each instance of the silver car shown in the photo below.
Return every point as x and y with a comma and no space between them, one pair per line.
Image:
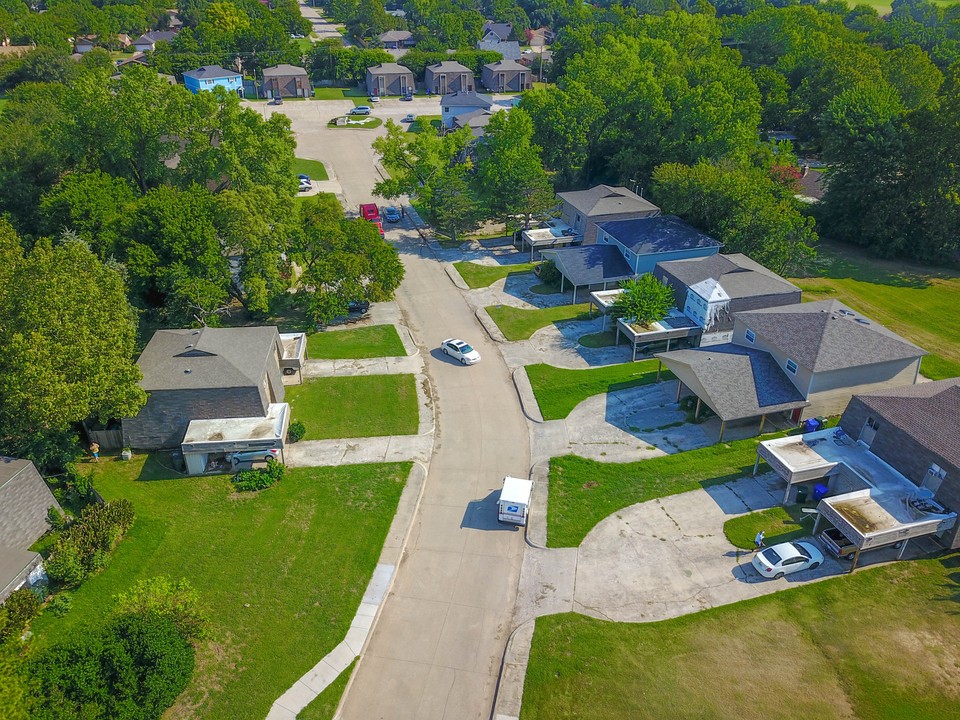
786,558
459,350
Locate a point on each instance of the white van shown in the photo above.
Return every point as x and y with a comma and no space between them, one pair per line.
514,503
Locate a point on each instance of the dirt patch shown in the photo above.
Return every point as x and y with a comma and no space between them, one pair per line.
216,660
590,485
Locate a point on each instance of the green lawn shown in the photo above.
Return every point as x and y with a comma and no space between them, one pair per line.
607,338
368,123
313,168
354,407
3,103
558,390
915,301
520,323
583,492
281,572
306,45
481,276
779,524
366,342
325,704
882,644
338,93
417,125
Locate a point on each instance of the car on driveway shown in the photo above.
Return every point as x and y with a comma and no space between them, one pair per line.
391,214
786,558
409,117
276,101
255,455
459,350
374,98
305,184
361,110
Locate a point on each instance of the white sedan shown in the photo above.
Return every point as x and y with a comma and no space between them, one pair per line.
786,558
460,350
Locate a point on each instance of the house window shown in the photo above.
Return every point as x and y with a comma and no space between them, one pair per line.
577,221
873,424
751,336
937,471
791,367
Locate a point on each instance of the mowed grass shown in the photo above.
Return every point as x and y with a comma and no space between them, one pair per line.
559,391
372,341
354,407
779,524
422,121
338,93
324,705
521,323
280,572
583,492
313,168
481,276
882,644
914,301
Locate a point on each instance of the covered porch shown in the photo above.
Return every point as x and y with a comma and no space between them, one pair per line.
594,266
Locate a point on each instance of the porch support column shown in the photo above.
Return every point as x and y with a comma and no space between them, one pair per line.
816,523
786,493
696,415
679,389
856,559
659,365
574,294
668,344
902,549
763,419
634,350
723,426
756,465
562,278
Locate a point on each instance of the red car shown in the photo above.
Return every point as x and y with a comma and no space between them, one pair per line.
370,211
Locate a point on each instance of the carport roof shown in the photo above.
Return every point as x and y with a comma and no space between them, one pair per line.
737,382
660,234
591,264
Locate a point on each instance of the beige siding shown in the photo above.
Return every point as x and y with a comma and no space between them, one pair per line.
833,390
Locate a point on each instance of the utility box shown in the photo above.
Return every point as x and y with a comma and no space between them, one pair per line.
514,503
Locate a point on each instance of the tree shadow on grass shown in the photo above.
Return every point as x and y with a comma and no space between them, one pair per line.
837,261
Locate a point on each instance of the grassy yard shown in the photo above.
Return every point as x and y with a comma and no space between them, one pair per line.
422,120
313,168
481,276
325,704
337,93
583,492
915,301
3,103
779,524
353,407
880,644
366,342
281,572
559,390
520,323
607,338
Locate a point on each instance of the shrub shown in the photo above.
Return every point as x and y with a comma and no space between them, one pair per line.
549,275
84,546
250,480
296,431
21,607
60,604
178,602
56,519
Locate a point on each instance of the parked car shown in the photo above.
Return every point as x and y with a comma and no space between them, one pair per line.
374,98
358,306
407,98
303,177
361,110
410,117
369,211
459,350
837,544
305,186
391,214
276,101
255,455
786,558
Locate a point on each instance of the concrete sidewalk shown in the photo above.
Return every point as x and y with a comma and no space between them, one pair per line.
411,365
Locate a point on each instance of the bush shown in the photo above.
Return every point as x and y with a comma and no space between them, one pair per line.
20,607
56,519
178,602
61,604
251,480
296,431
84,546
549,275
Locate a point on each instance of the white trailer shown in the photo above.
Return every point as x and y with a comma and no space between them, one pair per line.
514,503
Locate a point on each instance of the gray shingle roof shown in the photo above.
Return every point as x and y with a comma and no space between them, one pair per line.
467,99
661,234
207,358
590,264
501,30
607,200
24,501
210,72
928,412
395,36
155,36
389,69
827,335
284,71
449,66
510,49
506,66
737,274
738,382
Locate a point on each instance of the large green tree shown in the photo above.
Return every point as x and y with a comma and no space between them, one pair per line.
644,300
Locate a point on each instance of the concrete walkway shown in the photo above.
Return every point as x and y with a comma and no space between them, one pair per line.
370,366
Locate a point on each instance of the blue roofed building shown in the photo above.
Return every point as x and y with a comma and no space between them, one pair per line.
210,76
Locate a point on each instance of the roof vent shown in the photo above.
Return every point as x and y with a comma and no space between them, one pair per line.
195,332
187,371
188,347
845,312
862,321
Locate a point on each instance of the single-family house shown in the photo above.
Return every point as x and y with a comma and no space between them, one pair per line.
806,359
445,78
210,76
509,49
285,81
477,121
137,58
503,31
397,39
85,43
710,290
148,41
462,103
24,502
389,79
506,76
583,209
202,374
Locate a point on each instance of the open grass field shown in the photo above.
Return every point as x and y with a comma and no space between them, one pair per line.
779,524
366,342
325,704
521,323
353,407
313,168
915,301
480,276
422,121
558,390
281,572
338,93
883,7
882,644
583,492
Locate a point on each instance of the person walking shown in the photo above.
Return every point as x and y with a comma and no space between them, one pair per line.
95,451
758,540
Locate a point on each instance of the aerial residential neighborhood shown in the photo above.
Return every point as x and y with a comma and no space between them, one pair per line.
381,360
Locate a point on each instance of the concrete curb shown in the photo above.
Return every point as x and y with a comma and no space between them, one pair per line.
406,337
427,425
513,672
536,534
528,401
455,277
490,326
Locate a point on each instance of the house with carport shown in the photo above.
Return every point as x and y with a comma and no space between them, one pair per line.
583,210
397,39
798,360
390,79
285,81
462,103
447,77
506,76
